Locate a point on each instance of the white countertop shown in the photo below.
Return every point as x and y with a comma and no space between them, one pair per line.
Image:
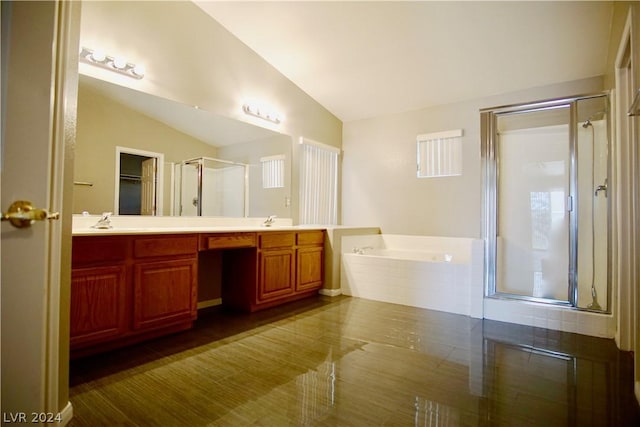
186,230
82,225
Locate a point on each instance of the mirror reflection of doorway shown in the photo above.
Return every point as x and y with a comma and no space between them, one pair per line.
137,186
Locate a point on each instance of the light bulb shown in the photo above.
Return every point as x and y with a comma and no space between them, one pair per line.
98,56
138,70
119,63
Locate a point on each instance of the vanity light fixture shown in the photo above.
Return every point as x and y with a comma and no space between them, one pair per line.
118,64
262,111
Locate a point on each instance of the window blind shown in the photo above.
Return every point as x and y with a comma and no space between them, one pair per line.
272,171
440,154
318,183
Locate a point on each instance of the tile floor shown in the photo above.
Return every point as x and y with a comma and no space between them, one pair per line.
352,362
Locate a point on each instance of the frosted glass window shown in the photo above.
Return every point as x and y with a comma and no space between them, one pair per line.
318,183
272,171
440,154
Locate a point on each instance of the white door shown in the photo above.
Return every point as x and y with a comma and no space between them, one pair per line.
148,196
37,49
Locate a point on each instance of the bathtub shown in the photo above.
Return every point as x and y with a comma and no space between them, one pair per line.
438,273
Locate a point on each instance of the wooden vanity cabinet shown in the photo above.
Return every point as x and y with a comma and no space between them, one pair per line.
129,288
165,288
288,266
309,260
99,306
276,263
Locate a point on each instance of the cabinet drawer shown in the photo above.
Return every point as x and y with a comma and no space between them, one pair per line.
165,246
315,237
277,240
98,249
229,240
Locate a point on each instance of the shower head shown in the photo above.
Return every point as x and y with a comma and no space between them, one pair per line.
599,115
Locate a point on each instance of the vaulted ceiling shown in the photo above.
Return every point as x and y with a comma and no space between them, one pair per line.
369,58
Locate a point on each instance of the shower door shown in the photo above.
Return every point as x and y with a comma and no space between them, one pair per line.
545,196
212,187
534,203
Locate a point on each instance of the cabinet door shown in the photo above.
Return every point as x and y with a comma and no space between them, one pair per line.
309,268
165,292
276,274
98,304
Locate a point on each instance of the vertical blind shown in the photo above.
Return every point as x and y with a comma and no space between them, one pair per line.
272,171
318,183
440,154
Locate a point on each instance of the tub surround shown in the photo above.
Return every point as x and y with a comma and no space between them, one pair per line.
333,254
438,273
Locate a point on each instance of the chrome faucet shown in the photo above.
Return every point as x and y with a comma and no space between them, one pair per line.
104,221
271,219
601,187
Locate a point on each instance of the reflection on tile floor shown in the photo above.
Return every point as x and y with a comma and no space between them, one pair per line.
353,362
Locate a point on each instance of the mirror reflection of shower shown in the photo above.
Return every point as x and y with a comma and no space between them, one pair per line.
206,186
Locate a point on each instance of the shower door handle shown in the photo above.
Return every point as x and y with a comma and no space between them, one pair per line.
569,203
601,187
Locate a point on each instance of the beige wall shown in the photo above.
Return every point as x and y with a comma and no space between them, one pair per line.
104,124
379,167
264,201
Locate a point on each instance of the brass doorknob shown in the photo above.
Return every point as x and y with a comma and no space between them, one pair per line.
22,214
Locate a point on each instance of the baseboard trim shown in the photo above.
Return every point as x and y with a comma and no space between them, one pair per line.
330,292
209,303
66,414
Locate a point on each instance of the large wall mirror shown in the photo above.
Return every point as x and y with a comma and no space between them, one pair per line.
138,154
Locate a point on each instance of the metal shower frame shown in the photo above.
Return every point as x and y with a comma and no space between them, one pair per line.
488,127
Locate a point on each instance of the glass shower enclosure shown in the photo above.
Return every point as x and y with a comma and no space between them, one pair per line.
206,186
546,204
